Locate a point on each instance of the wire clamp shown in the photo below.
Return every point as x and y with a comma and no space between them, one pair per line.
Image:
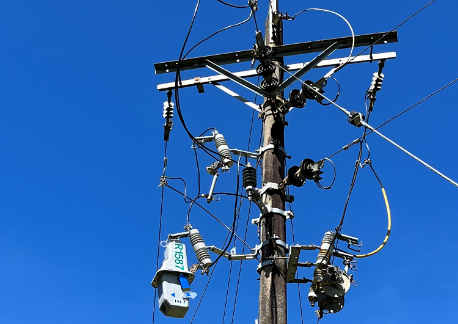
273,147
264,264
288,214
266,242
162,182
269,186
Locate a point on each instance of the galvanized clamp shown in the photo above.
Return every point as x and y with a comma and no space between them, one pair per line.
288,214
273,147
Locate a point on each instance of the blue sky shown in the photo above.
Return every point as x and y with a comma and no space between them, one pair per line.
81,142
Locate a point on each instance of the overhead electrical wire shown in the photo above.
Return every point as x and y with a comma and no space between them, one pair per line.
212,215
388,232
393,118
346,112
337,14
233,6
392,30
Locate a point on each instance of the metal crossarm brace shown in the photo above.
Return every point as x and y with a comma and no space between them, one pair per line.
313,63
235,78
237,96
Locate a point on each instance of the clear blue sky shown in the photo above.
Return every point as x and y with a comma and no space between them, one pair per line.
81,152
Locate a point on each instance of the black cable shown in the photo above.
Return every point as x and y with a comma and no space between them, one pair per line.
178,77
298,285
158,250
233,6
190,207
229,194
393,118
209,213
378,40
241,262
184,183
337,95
203,294
198,172
235,217
255,21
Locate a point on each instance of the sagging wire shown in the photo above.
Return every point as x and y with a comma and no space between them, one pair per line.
388,232
235,215
346,147
374,130
392,30
337,95
241,262
178,76
212,215
334,178
233,6
335,13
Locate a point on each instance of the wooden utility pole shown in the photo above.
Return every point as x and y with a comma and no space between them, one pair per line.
272,293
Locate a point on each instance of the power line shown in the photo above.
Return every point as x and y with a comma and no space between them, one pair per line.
378,40
233,6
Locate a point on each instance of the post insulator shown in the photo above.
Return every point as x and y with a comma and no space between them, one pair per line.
376,83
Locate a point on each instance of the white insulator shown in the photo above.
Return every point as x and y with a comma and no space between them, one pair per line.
223,149
168,110
200,248
326,250
376,83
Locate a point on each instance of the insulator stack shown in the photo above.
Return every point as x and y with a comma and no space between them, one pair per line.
326,250
223,149
168,110
376,83
200,248
249,177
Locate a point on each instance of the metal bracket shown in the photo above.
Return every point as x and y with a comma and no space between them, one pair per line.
231,256
237,96
246,154
269,186
288,214
273,147
293,261
266,242
264,264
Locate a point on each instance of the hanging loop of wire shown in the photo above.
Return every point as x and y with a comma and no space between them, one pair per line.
334,178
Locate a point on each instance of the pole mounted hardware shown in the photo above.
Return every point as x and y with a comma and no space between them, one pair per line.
297,175
376,85
278,52
168,115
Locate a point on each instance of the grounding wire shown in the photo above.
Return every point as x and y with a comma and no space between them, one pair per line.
233,6
393,118
214,217
378,40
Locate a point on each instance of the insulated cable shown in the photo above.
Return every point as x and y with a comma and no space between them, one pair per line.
214,217
346,147
388,232
335,13
366,125
378,40
233,6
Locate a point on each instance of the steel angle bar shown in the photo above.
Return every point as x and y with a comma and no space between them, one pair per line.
307,67
237,96
235,78
290,67
278,51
